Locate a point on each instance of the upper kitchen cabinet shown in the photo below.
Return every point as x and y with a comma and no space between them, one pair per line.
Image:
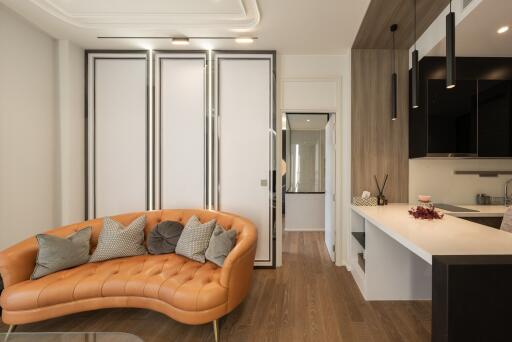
452,118
494,118
474,119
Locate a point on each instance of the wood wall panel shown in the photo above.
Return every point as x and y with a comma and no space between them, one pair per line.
381,14
379,145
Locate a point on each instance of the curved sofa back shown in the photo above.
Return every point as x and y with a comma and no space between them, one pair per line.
17,262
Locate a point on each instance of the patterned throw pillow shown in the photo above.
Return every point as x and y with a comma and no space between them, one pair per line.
117,241
55,253
221,243
194,239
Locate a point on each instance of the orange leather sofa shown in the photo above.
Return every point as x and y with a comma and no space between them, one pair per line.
183,289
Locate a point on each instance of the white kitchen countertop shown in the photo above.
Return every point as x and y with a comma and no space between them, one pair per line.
448,236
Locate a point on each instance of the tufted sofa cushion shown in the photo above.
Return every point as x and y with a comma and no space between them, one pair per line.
176,280
185,290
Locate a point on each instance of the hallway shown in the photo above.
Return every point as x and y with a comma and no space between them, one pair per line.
308,299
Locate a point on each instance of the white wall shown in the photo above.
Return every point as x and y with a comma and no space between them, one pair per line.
314,74
71,131
41,130
436,177
304,212
28,130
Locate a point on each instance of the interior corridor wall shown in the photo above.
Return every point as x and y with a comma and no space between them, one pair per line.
29,202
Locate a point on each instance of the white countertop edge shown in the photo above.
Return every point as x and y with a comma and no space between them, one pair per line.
400,239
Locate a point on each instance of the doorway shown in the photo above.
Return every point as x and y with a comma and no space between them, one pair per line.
308,171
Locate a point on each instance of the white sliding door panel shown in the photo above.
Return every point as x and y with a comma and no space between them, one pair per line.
180,110
330,186
117,159
244,151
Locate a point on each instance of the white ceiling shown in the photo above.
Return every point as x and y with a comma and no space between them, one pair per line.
307,122
289,26
476,34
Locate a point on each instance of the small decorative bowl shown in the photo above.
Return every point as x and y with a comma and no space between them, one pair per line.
424,198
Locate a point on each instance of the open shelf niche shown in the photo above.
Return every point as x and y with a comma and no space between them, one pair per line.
358,244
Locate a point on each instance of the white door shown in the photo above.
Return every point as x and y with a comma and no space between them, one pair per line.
330,185
244,151
180,130
117,134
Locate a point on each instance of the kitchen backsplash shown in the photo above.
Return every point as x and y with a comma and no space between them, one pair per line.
436,177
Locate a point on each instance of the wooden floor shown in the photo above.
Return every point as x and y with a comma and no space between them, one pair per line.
308,299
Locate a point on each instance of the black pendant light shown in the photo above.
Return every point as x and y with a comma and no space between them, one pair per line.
415,69
450,49
394,114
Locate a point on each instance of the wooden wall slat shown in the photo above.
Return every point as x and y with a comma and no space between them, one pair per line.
379,145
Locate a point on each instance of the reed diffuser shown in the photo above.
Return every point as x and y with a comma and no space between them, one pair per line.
381,199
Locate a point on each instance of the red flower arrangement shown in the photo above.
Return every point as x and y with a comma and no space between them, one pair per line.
425,213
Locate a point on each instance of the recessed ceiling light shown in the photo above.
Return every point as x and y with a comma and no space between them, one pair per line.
308,120
503,29
244,40
180,41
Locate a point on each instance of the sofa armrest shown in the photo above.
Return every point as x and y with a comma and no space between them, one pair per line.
236,274
17,262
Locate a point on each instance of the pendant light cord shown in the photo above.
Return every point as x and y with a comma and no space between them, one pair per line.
415,27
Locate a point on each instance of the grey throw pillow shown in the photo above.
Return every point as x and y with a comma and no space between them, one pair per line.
117,241
164,238
194,239
56,253
221,243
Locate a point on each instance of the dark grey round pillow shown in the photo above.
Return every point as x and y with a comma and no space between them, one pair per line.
165,236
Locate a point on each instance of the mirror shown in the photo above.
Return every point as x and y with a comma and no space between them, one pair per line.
305,152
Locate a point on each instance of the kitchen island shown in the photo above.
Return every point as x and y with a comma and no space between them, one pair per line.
396,257
425,238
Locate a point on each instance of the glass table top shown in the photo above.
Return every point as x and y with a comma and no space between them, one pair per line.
69,337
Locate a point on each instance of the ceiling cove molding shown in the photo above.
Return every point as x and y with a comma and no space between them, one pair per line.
245,18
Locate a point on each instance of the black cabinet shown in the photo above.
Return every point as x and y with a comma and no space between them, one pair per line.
471,298
494,118
474,119
452,118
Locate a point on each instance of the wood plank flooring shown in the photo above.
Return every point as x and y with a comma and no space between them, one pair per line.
308,299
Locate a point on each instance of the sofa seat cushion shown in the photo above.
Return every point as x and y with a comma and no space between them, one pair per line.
184,284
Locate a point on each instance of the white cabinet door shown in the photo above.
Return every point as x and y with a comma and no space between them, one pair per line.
245,123
180,85
117,134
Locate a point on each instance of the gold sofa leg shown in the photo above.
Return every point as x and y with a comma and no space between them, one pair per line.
216,330
12,328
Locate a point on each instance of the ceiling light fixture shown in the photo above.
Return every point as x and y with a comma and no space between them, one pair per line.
503,29
184,40
244,40
308,120
450,49
180,41
394,114
415,68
